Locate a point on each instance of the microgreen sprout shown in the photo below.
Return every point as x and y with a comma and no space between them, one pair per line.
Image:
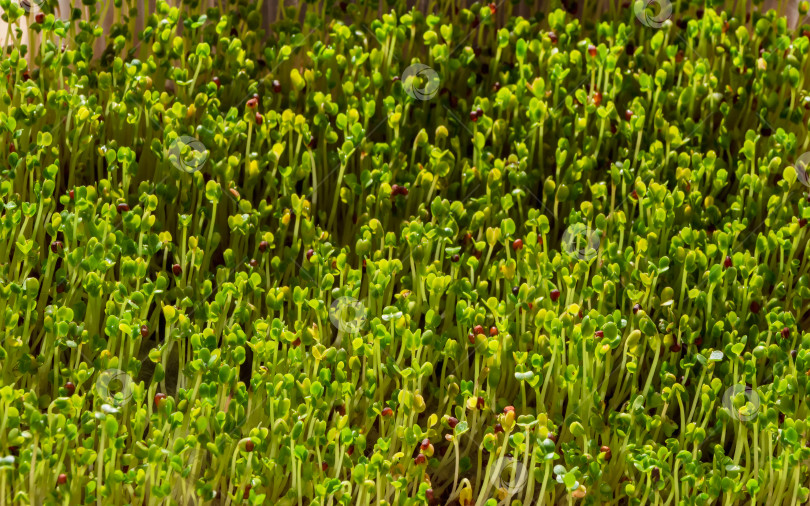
426,254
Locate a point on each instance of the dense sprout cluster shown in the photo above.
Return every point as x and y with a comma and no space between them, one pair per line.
378,255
